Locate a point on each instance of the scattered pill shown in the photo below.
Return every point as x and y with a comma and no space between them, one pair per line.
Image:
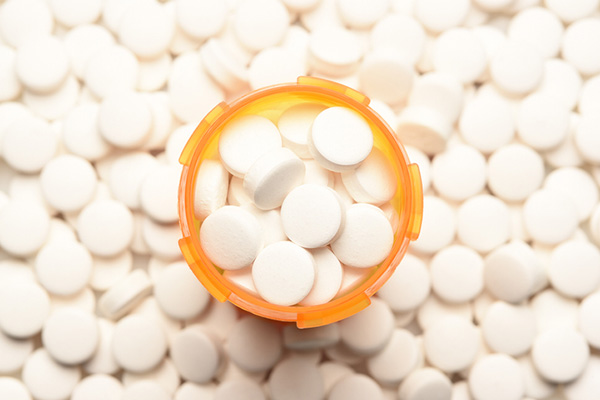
24,307
70,336
425,383
12,388
456,274
542,122
509,328
515,171
574,268
550,216
497,376
46,379
254,344
370,330
424,128
125,294
98,387
296,379
334,50
139,343
576,45
64,267
105,227
195,355
560,354
177,292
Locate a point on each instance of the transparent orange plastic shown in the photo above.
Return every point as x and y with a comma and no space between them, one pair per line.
270,102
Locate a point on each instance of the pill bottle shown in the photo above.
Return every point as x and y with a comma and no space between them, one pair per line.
271,102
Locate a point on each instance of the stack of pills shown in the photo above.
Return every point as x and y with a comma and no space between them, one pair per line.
283,232
497,101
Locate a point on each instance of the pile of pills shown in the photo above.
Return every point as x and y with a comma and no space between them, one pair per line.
497,101
283,232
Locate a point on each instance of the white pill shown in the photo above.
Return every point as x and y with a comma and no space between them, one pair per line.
81,135
438,16
368,331
194,391
312,215
295,124
16,235
145,390
460,53
451,343
231,227
457,273
272,176
425,383
550,216
11,86
42,64
284,286
332,372
179,293
589,321
373,181
408,286
201,19
386,76
577,46
150,308
28,144
162,239
24,307
358,15
542,122
560,354
517,68
439,91
552,310
547,35
105,227
515,172
254,344
103,361
328,278
315,174
561,81
355,387
46,379
459,172
195,355
434,309
366,238
70,335
275,65
14,389
125,119
21,20
261,24
497,377
399,357
98,387
146,29
340,139
14,353
296,379
334,50
127,174
154,73
225,67
574,268
158,193
82,42
125,294
586,386
402,33
438,227
424,128
56,104
111,68
63,267
509,328
139,343
483,223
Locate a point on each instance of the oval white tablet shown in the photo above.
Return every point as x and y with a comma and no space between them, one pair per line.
578,185
542,122
68,174
70,335
295,124
12,388
340,139
125,119
16,235
139,343
284,286
576,45
517,68
261,24
42,64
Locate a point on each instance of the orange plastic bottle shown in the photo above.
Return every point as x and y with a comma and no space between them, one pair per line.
270,102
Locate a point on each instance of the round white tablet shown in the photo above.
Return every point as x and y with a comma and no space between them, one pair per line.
244,140
63,267
42,64
231,227
103,361
125,294
438,227
98,387
68,174
589,319
126,175
439,91
254,344
70,335
162,239
340,139
14,353
108,271
260,24
21,20
179,293
334,50
439,15
457,274
328,278
547,35
139,343
514,172
81,135
366,238
82,42
460,53
483,223
355,387
434,309
46,379
497,377
146,29
194,391
386,76
195,355
553,310
276,65
24,307
368,331
111,68
318,175
424,128
399,32
509,328
561,81
408,286
373,181
517,68
16,234
459,172
542,122
158,193
145,390
560,354
425,383
124,119
284,286
577,46
296,379
574,268
295,124
550,216
210,192
587,385
105,227
397,359
578,185
14,389
312,215
201,19
451,343
28,144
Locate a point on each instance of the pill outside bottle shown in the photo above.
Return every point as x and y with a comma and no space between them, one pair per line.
271,102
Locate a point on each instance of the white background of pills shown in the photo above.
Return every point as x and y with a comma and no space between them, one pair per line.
498,100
